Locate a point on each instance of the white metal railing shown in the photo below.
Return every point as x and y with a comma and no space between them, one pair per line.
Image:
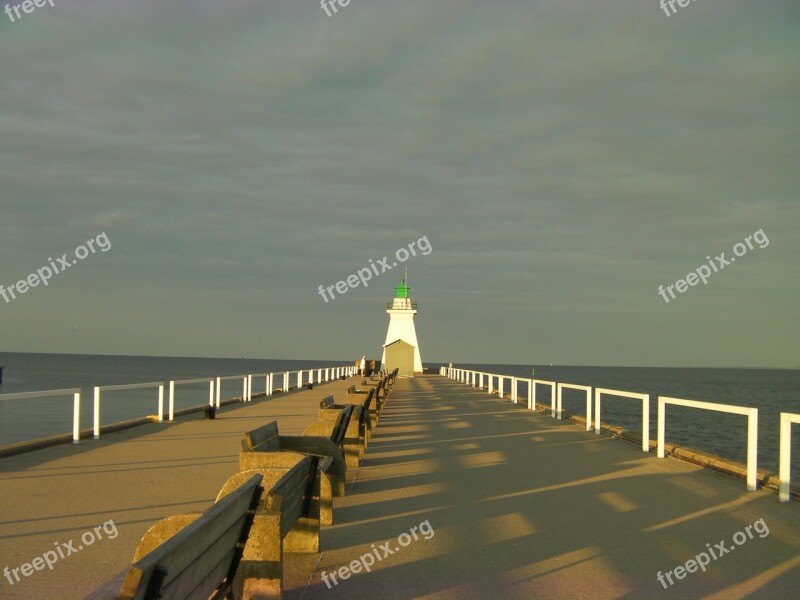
786,419
752,428
129,386
532,394
645,398
572,386
174,382
214,392
217,399
785,460
267,384
76,405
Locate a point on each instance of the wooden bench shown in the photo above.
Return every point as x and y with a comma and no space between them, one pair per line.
365,423
192,555
264,447
287,520
337,431
354,443
358,396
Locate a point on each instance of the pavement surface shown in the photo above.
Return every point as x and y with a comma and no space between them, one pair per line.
515,504
126,480
461,495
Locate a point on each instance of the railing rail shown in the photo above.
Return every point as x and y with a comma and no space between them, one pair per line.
98,389
752,428
645,398
76,405
174,382
218,396
532,394
573,386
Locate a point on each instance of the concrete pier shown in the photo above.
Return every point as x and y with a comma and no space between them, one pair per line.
520,505
525,506
133,477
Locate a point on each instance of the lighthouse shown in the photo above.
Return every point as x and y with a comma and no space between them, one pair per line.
401,349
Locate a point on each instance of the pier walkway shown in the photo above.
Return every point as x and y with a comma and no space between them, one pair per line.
134,477
525,506
519,505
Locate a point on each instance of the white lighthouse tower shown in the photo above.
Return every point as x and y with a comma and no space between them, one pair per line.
401,313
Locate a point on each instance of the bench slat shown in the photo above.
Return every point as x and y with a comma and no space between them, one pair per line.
260,435
287,495
198,558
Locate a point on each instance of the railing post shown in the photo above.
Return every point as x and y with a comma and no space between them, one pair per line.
661,424
299,379
216,400
514,390
161,403
286,381
489,375
500,386
785,458
210,393
76,417
596,411
558,402
752,449
171,399
589,409
97,412
531,399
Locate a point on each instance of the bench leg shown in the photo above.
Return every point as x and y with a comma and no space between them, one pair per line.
260,573
304,536
325,500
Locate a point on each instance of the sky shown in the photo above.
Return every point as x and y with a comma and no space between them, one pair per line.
559,160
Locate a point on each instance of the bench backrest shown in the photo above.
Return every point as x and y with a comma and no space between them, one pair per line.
292,494
362,419
202,557
262,439
342,423
326,402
